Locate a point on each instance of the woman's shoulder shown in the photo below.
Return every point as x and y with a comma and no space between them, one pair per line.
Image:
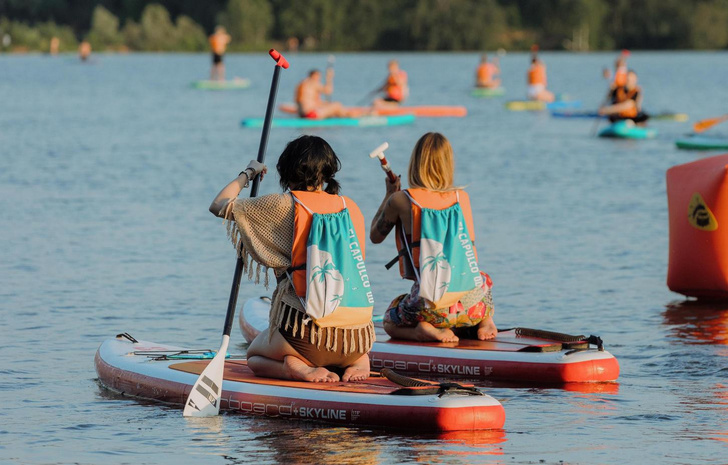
269,201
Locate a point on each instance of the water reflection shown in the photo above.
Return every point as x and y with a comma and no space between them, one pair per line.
698,322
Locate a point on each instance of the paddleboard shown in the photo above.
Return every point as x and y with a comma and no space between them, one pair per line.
594,114
511,356
364,121
535,105
488,92
234,84
627,129
143,369
420,111
702,143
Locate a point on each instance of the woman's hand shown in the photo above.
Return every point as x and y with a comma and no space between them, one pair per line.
255,168
393,186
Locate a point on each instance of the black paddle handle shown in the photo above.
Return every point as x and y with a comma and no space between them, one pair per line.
235,289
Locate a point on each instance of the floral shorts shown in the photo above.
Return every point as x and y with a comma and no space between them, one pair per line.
408,310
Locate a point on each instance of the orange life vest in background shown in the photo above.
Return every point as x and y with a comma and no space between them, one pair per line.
435,201
317,202
486,72
393,89
621,94
537,75
218,43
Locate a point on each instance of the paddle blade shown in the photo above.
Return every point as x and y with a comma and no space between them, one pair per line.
280,59
706,124
204,398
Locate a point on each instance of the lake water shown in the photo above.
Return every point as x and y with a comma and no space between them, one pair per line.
106,173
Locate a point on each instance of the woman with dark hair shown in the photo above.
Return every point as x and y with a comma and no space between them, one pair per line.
313,239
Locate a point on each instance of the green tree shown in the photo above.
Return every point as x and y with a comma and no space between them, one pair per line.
158,32
104,31
709,26
190,35
248,21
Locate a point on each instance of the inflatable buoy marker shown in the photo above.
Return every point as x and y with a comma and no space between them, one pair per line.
699,215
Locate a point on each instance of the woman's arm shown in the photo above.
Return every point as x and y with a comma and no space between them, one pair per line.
388,213
231,191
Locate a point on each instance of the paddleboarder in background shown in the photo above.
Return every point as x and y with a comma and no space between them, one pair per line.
279,231
395,87
620,70
84,50
537,81
219,41
486,73
309,101
626,102
433,225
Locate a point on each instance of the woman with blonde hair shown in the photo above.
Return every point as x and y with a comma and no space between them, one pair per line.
434,232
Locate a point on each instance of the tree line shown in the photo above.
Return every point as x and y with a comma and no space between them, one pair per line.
359,25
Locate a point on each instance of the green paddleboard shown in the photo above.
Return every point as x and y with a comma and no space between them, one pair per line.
234,84
488,92
702,143
364,121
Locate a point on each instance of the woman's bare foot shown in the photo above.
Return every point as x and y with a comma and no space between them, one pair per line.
357,371
425,332
298,370
487,329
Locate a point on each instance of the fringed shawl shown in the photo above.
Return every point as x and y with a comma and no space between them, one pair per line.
261,229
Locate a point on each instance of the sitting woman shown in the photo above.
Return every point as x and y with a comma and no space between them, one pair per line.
320,319
450,297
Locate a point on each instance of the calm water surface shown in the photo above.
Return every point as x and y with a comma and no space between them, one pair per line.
106,173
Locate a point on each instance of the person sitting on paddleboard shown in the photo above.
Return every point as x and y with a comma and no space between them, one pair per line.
313,239
219,41
486,73
537,81
433,227
626,102
395,86
308,97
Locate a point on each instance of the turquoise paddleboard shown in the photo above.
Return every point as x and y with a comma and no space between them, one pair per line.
488,92
235,84
364,121
702,143
626,129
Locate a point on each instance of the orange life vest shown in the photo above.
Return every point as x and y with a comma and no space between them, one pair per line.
537,75
218,43
317,202
486,72
393,89
622,95
435,201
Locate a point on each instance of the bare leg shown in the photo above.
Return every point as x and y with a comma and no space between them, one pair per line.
423,332
357,371
277,359
487,329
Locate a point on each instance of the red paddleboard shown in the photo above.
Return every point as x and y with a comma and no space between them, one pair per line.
514,355
421,111
154,371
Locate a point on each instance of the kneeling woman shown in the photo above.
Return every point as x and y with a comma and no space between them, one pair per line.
450,297
320,319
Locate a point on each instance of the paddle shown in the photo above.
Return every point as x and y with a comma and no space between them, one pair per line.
706,124
204,398
330,65
379,153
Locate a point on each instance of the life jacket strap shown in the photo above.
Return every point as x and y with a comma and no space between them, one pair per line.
290,271
402,253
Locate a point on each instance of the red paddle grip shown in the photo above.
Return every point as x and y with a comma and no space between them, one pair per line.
280,59
387,169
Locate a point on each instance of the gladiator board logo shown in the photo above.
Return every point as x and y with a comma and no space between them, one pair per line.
699,215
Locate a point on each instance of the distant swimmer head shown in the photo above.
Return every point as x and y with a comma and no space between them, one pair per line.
314,73
220,30
393,65
484,58
432,164
307,163
631,79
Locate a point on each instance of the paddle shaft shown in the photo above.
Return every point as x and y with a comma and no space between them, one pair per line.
233,300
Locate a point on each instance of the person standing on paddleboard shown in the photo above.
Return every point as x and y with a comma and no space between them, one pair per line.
219,41
321,312
309,101
434,232
626,102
